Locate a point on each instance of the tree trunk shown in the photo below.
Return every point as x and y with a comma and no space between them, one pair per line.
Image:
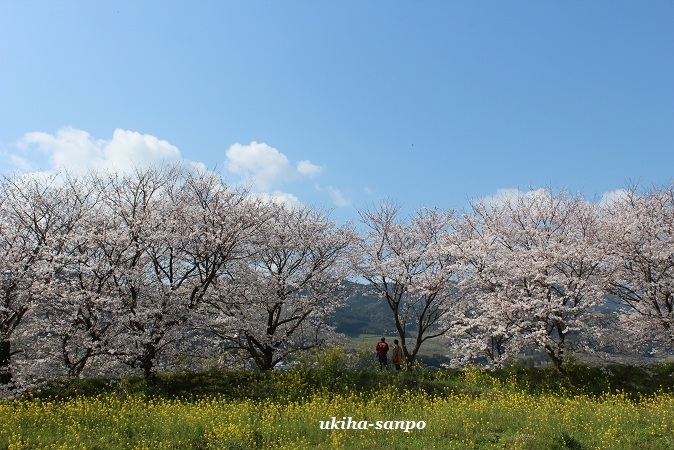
147,364
556,362
556,357
5,362
266,358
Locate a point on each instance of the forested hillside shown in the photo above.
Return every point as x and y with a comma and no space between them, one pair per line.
363,313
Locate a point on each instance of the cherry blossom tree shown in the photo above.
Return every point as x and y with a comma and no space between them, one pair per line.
277,300
79,314
168,234
639,242
104,271
218,228
36,218
479,325
406,263
534,271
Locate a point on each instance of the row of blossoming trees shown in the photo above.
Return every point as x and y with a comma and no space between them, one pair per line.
170,267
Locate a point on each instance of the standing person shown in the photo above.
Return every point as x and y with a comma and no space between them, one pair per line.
382,352
397,355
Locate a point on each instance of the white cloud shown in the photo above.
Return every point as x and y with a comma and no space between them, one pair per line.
279,197
138,149
75,149
510,195
21,164
258,163
502,196
338,197
265,167
335,194
307,168
609,198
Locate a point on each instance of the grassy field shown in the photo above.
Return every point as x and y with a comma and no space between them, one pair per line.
503,420
521,408
432,352
368,341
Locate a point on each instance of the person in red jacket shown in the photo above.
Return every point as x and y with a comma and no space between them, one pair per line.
382,352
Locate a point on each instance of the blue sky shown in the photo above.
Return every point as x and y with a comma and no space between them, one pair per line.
340,104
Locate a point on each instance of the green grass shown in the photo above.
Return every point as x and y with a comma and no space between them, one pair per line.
617,407
483,412
329,374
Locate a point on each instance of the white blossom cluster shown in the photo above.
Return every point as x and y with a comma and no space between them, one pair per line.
170,268
528,272
161,268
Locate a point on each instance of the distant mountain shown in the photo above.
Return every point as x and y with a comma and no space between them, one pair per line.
363,313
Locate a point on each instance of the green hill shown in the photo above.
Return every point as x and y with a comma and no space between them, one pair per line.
363,313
